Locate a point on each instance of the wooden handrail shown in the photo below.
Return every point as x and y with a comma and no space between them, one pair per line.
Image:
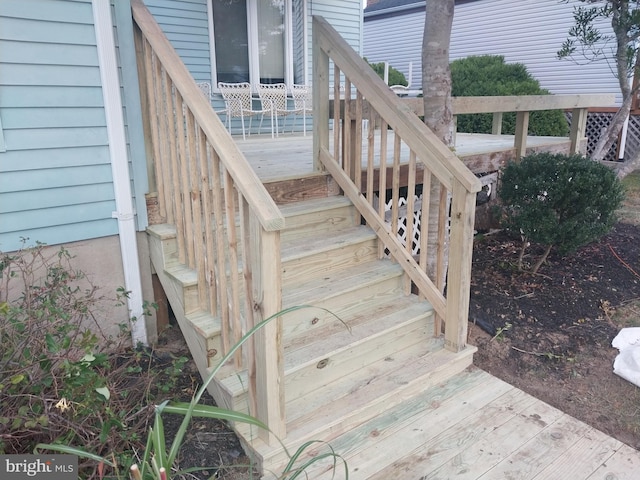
398,116
444,176
251,187
227,225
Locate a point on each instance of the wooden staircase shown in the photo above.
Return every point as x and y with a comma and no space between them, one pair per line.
363,346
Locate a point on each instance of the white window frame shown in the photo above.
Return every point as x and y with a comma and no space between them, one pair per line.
252,32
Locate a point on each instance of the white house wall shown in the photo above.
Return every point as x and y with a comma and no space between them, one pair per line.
523,32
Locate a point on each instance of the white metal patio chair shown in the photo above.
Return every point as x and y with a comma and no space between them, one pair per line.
274,99
239,103
302,103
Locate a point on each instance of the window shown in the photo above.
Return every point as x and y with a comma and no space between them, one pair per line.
253,41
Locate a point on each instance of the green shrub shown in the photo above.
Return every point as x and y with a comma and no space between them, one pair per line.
396,77
559,201
62,381
490,75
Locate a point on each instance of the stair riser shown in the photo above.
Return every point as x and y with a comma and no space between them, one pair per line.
317,265
319,222
313,321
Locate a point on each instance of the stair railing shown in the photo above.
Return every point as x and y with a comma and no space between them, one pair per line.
228,227
363,103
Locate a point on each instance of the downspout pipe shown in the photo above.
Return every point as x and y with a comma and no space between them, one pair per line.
124,213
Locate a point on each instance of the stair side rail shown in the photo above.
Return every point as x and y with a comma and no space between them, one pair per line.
227,225
402,146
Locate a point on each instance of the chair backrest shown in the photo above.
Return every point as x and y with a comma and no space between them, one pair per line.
301,97
205,88
237,96
273,95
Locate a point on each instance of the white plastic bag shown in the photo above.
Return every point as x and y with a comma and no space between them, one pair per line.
627,363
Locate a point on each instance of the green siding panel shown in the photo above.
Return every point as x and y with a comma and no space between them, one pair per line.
24,160
44,31
67,196
58,234
45,138
65,75
35,180
49,117
64,215
47,53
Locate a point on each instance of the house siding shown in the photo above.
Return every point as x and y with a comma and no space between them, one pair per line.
55,175
186,25
530,34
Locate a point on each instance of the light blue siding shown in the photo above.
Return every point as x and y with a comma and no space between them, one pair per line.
55,175
186,25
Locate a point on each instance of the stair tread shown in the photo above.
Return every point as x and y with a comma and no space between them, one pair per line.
336,283
372,390
314,205
403,310
342,237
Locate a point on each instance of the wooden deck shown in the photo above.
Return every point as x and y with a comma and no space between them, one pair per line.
290,155
473,426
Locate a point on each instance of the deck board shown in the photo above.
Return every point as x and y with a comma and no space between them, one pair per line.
290,155
475,426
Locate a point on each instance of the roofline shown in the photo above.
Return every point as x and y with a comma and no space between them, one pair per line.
400,9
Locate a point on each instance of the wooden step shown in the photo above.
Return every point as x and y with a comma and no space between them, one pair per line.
318,216
314,257
381,386
341,293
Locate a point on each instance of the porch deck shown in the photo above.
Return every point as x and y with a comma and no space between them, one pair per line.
290,155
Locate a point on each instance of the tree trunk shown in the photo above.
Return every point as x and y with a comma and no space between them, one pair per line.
436,76
438,115
611,133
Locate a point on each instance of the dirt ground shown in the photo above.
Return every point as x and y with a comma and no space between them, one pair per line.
548,334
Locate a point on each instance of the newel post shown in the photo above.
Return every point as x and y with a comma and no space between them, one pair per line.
320,97
269,351
463,206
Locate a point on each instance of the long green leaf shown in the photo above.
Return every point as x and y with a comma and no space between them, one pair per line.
71,451
211,411
159,444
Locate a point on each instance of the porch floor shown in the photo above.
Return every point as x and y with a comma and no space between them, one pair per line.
290,155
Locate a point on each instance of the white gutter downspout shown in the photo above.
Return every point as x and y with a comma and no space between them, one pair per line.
119,166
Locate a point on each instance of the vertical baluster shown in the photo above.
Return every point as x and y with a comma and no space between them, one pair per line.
182,156
199,238
371,143
357,143
347,152
337,127
220,258
232,248
207,213
395,183
382,183
250,303
411,193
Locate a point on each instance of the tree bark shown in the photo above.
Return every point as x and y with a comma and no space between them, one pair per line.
436,76
438,114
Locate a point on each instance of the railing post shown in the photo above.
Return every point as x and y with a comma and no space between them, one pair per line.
320,101
522,127
459,279
269,352
496,126
578,129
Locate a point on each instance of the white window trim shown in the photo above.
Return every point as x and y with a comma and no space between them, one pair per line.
252,29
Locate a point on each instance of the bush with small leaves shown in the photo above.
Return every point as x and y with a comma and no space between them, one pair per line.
559,201
396,77
484,75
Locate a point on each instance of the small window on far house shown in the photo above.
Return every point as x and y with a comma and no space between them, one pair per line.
253,41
